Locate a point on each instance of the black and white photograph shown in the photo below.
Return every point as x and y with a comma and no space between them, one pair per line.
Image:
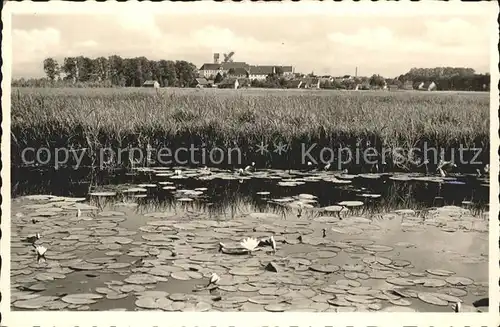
288,158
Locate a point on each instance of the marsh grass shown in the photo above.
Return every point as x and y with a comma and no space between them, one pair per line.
120,118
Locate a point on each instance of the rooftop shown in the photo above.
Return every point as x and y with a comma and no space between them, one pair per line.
210,67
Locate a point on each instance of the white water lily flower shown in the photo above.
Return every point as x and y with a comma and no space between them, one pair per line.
178,172
78,213
221,246
40,250
250,244
250,167
273,243
445,166
214,279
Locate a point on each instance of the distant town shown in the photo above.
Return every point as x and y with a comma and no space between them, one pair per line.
224,72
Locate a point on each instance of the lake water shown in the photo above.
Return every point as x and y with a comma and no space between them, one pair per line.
344,242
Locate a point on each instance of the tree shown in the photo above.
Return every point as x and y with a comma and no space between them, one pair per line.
69,68
116,66
51,68
168,73
218,78
377,80
100,69
186,72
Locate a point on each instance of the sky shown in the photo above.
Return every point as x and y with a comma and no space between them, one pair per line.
323,44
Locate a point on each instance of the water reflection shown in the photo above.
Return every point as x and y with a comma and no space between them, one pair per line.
227,192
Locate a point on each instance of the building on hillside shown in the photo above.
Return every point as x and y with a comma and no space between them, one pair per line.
151,83
427,86
202,82
365,86
408,85
326,78
286,70
238,72
229,83
210,70
226,66
261,72
310,83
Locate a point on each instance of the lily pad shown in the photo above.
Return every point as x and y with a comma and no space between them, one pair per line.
459,281
84,298
275,308
324,268
431,298
140,279
351,203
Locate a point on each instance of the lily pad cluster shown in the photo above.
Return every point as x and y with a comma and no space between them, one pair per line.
162,260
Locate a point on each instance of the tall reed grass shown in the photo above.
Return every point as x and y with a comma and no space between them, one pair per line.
117,118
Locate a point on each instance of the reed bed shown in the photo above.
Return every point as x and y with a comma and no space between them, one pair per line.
120,118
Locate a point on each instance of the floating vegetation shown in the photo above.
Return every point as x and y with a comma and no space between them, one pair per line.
159,258
311,247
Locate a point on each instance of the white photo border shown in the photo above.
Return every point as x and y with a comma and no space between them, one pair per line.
490,10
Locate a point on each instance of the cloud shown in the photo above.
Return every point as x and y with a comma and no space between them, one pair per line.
86,44
385,45
455,32
454,36
143,24
367,38
31,45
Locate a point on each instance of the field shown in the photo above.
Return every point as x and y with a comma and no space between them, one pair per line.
276,240
96,118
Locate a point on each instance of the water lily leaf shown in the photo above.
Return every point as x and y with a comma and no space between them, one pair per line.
324,268
275,308
84,298
245,271
400,281
140,279
459,281
263,299
351,203
432,299
430,282
398,309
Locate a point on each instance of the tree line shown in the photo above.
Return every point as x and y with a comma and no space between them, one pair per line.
125,72
119,71
447,78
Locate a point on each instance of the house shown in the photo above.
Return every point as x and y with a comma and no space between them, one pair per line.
294,84
261,72
151,83
310,83
226,66
238,72
326,78
408,85
286,70
393,87
363,86
229,83
202,82
427,86
209,70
